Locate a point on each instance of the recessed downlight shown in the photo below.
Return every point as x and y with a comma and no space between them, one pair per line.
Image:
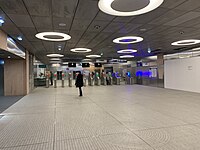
19,38
127,56
127,51
93,56
128,40
120,7
55,55
62,24
53,36
80,50
186,42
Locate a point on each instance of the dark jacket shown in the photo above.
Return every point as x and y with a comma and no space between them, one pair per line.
79,80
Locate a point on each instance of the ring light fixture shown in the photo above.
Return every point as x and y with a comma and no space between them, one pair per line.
85,60
127,56
93,56
127,51
55,59
186,42
80,50
47,36
55,55
128,40
106,7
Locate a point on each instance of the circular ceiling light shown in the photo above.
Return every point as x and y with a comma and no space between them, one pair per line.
55,59
55,55
128,7
93,56
127,51
128,40
186,42
80,50
127,56
86,60
53,36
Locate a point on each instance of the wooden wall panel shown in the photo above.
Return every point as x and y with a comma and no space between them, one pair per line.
3,39
14,77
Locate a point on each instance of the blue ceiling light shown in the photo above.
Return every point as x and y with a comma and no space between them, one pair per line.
1,21
149,50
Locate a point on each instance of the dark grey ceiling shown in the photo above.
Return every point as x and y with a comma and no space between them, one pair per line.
83,18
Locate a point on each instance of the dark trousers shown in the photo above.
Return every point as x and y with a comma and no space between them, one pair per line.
80,91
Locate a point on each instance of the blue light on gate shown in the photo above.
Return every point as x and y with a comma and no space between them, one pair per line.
143,74
128,74
1,62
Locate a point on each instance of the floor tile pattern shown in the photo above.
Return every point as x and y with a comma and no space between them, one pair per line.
106,118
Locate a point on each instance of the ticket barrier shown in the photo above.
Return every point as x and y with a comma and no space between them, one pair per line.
84,80
63,80
70,79
110,80
129,80
90,80
63,83
117,80
97,79
47,82
103,79
55,83
55,80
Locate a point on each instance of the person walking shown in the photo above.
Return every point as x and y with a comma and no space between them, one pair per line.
79,83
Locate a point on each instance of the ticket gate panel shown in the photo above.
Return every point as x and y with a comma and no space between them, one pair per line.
55,83
63,83
70,82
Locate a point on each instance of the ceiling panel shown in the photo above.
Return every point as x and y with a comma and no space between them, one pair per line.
97,26
43,23
186,17
172,4
30,33
87,9
21,20
62,23
166,17
64,8
38,7
104,17
189,5
13,7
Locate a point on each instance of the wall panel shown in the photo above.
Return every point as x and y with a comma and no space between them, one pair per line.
14,77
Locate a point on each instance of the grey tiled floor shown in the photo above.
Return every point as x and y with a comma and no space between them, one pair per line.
105,118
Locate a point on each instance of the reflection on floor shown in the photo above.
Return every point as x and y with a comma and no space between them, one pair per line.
105,118
7,101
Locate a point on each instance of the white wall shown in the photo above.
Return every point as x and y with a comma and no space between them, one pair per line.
183,74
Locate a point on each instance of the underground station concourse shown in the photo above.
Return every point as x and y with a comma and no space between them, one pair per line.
137,63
